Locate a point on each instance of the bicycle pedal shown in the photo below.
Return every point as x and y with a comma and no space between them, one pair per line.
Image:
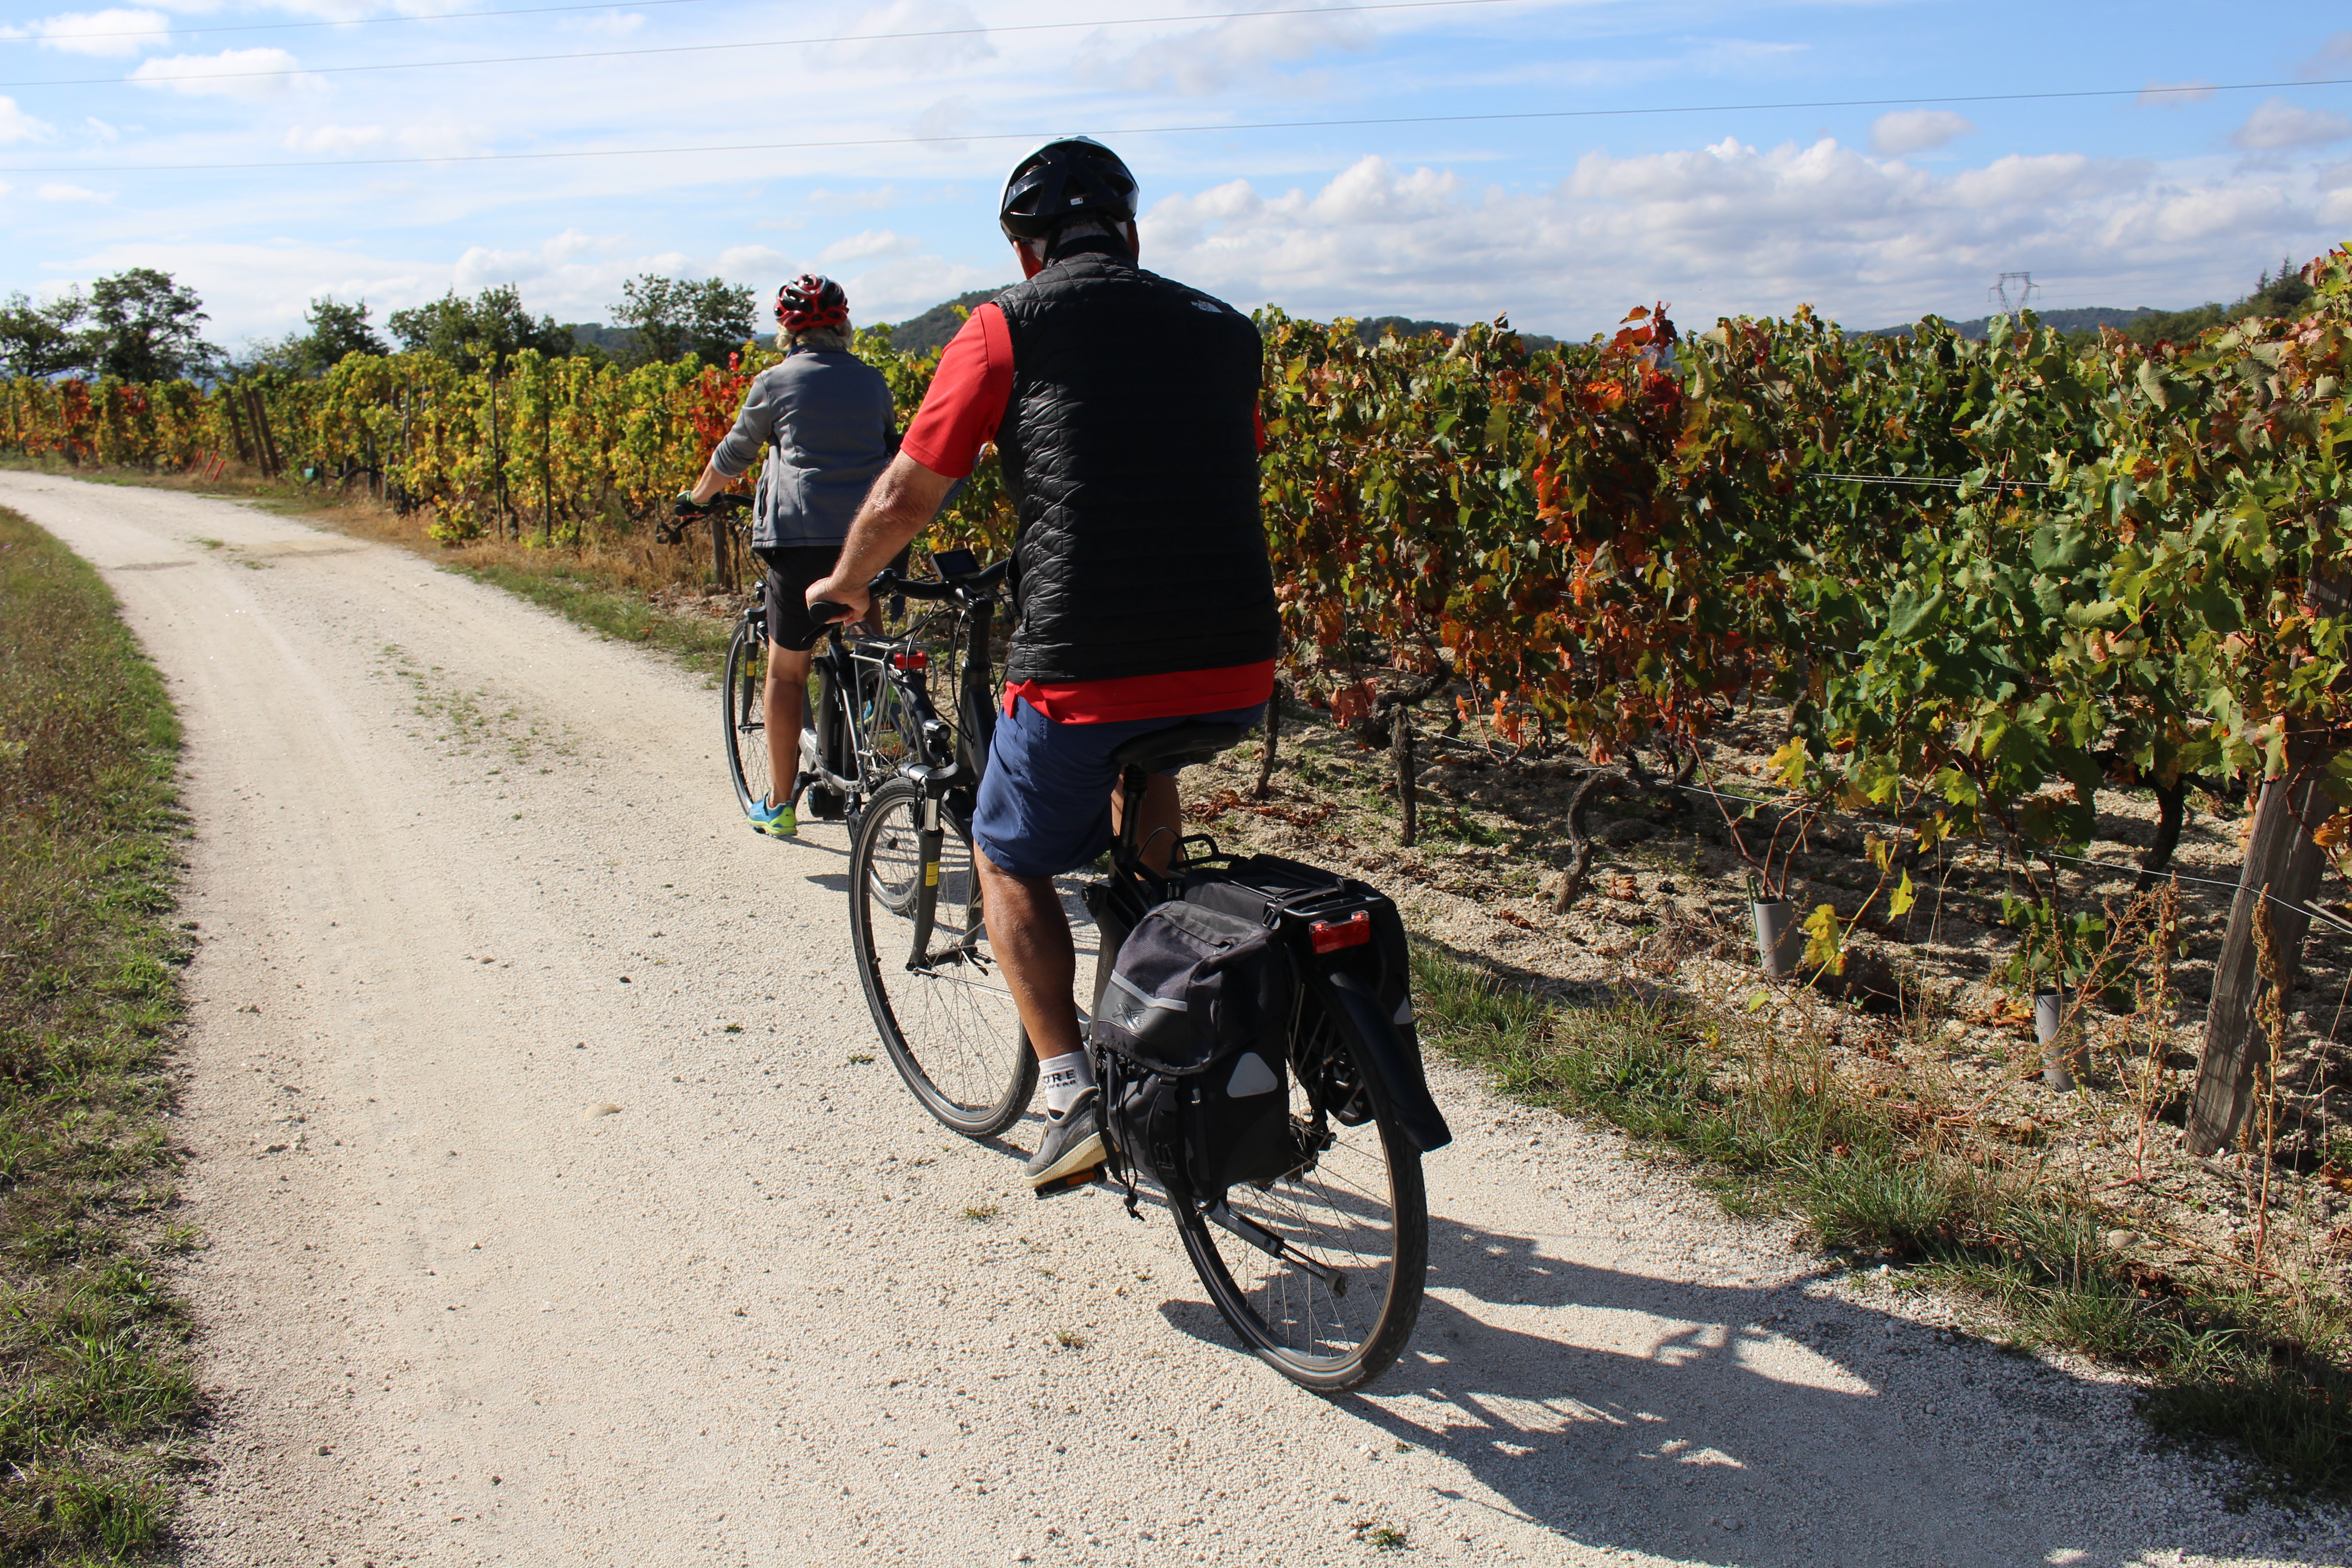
1088,1177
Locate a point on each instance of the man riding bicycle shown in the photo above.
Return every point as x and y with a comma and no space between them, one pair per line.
1124,407
825,417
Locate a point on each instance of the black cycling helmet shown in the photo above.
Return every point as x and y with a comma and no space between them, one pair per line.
1075,177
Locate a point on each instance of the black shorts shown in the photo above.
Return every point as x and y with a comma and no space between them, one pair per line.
790,572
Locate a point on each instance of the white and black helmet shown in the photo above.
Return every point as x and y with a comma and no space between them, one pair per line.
1075,177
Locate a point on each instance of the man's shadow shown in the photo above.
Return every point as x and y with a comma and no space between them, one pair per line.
1757,1425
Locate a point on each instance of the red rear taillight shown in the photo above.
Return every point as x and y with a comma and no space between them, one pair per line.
918,660
1354,932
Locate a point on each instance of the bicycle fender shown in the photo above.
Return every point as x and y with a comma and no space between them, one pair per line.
1401,1084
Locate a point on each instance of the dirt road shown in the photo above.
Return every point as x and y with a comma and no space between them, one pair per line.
466,876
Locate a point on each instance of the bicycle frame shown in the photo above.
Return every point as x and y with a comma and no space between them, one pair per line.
949,759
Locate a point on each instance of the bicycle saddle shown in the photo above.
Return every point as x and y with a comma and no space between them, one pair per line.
1174,748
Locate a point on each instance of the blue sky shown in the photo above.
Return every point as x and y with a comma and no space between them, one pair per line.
1874,214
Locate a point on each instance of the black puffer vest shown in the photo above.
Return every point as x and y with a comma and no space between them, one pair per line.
1129,446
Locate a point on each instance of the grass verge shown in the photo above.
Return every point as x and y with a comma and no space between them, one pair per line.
1774,1126
98,1397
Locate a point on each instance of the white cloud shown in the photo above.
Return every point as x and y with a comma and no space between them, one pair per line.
334,138
944,122
2277,123
2174,94
250,74
1916,130
109,32
54,192
2331,56
16,125
743,262
913,58
871,200
1725,230
1216,58
872,242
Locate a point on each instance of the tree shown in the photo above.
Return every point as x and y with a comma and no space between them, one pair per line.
41,340
488,329
337,330
144,326
669,318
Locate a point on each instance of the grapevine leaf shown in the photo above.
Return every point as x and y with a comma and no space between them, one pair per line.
1900,901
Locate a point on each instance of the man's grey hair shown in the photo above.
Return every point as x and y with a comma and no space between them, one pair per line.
834,339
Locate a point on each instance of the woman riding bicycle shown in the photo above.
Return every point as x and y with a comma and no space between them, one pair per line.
824,415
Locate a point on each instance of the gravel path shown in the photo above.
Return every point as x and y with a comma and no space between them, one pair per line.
467,875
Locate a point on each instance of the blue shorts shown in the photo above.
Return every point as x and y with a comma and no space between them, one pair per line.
1045,803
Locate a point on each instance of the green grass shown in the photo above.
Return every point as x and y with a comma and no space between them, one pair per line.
697,641
98,1398
1772,1127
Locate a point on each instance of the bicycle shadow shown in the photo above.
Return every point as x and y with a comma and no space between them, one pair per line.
1631,1412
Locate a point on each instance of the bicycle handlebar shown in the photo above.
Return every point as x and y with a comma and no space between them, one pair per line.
829,612
980,583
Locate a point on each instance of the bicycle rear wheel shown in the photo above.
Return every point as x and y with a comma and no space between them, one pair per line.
939,997
744,694
1334,1309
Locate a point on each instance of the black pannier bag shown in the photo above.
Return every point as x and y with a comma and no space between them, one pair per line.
1189,1040
1350,939
1202,1093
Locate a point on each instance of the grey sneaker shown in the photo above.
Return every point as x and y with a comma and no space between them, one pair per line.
1073,1142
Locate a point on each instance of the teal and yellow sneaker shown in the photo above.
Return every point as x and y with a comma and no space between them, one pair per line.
776,821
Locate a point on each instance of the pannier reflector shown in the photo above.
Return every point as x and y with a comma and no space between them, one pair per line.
919,659
1354,932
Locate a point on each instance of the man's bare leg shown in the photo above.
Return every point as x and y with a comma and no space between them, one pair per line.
784,699
1030,935
1029,932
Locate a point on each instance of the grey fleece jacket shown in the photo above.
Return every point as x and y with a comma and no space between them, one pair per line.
825,417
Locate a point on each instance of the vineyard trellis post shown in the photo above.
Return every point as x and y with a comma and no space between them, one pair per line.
235,426
2283,867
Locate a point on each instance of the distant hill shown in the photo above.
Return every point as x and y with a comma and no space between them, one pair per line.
614,341
2087,319
934,327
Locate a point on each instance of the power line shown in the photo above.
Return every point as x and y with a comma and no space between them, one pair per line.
733,45
1227,128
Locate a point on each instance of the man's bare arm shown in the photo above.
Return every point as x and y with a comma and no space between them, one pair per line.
901,504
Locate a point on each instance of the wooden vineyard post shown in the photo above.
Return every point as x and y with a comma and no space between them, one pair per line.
1408,801
1272,735
718,551
498,458
235,426
2281,861
265,445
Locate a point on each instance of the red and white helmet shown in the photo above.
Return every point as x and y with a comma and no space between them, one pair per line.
810,302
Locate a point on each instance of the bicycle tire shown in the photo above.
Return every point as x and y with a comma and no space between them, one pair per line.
743,695
949,1025
1285,1314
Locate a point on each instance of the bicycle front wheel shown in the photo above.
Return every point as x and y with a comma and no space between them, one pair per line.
1321,1272
940,999
744,694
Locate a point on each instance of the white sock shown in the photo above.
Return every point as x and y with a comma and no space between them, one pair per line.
1065,1078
